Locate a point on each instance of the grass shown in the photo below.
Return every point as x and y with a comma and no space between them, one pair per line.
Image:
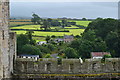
59,33
23,24
19,23
39,39
41,33
16,22
27,27
82,23
72,27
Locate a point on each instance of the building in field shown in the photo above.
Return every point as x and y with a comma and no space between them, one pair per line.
68,38
96,55
41,42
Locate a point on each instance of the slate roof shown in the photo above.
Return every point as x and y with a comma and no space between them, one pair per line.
68,37
28,55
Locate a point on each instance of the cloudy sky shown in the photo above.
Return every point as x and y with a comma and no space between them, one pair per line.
64,0
65,8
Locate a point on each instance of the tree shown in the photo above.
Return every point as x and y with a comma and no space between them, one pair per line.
30,49
85,48
108,30
51,47
36,19
103,26
84,19
29,34
112,40
70,53
88,43
48,38
21,41
89,35
64,23
46,25
48,56
55,23
107,56
49,20
44,49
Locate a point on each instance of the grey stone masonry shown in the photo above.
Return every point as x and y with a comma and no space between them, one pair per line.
7,42
66,66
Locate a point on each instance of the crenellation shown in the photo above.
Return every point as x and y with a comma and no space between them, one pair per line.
67,66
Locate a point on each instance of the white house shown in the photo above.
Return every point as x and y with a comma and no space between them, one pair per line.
41,42
28,56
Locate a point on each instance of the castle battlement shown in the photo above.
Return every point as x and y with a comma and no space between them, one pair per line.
53,65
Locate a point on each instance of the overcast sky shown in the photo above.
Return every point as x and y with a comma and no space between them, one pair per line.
64,0
65,9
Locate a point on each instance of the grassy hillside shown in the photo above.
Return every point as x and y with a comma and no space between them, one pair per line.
82,23
26,24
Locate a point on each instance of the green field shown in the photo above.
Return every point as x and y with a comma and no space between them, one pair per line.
82,23
28,25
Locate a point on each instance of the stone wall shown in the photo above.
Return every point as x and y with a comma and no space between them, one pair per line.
31,66
7,42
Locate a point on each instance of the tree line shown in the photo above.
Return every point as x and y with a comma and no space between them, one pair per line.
47,23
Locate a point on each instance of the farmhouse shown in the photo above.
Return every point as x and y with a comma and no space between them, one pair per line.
41,42
28,56
96,55
68,38
58,40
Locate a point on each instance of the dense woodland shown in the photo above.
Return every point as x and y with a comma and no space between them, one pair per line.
101,35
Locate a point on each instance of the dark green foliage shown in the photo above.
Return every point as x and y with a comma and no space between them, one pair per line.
21,41
51,47
72,23
29,34
53,36
48,38
84,19
46,25
65,23
70,53
48,56
30,49
108,30
112,40
55,23
103,26
85,48
88,43
24,39
77,36
36,19
44,49
107,56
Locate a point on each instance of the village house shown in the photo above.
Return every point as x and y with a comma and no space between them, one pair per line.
57,40
28,56
68,38
41,42
96,55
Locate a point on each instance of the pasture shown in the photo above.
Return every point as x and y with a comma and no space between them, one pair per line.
82,23
40,35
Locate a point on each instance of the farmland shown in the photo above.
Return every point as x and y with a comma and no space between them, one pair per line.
15,25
